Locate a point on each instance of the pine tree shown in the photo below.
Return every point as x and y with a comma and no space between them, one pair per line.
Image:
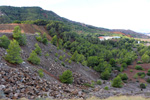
13,53
21,38
117,82
44,37
66,77
33,58
75,56
17,32
4,41
54,40
105,75
37,49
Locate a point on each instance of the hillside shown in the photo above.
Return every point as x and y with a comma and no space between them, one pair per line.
66,60
9,14
131,33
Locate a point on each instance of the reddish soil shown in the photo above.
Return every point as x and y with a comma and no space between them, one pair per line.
132,67
122,34
25,28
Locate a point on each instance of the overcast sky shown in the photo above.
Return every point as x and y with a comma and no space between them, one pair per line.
112,14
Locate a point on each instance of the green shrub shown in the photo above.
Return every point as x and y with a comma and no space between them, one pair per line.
135,76
39,38
138,67
66,77
66,60
141,74
47,55
139,62
38,49
117,82
148,80
33,58
56,54
55,60
124,65
148,73
123,76
69,61
131,70
105,75
60,58
40,72
106,88
142,86
4,41
64,56
62,63
88,85
99,82
20,38
13,53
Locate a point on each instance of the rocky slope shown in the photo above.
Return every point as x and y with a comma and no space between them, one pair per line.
17,81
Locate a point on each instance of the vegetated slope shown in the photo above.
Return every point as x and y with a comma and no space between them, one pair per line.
131,33
31,85
8,14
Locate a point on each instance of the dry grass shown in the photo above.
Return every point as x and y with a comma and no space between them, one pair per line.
118,98
95,98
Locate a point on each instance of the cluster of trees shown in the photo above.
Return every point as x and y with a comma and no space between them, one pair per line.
102,56
13,48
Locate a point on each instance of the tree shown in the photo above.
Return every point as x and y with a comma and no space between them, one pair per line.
4,41
117,82
112,62
21,38
37,49
105,75
17,32
33,58
145,58
54,40
45,41
13,53
75,56
66,77
92,61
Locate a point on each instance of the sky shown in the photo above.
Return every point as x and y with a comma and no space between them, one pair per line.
112,14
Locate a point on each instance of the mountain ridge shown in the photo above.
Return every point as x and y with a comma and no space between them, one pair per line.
9,14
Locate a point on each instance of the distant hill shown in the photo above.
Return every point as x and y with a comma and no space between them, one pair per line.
9,14
131,33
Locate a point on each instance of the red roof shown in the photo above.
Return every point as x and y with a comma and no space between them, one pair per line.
100,37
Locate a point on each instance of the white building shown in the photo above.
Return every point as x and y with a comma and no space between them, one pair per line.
102,38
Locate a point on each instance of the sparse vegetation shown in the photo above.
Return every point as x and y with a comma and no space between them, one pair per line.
142,86
117,82
56,54
17,35
4,41
33,58
99,82
148,73
138,67
61,58
13,53
40,72
66,77
38,49
106,88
